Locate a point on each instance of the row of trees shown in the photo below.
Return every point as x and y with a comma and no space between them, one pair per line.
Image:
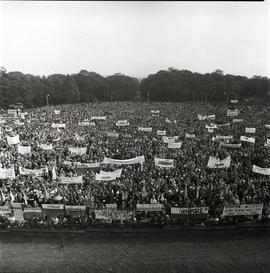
170,85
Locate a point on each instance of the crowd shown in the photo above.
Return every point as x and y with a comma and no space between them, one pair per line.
188,183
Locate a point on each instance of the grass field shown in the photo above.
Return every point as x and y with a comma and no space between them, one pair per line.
213,251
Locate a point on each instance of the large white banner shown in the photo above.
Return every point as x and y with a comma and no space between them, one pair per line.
190,135
135,160
105,177
247,139
209,117
24,150
230,145
174,145
218,137
161,133
169,139
122,123
117,172
7,173
264,171
244,209
250,130
58,125
232,113
36,172
71,180
145,129
13,140
164,163
57,112
215,163
149,207
98,117
78,150
46,147
191,210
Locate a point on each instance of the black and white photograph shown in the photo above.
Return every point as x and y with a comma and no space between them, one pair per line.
135,136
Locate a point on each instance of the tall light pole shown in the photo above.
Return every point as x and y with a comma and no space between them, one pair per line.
47,99
148,96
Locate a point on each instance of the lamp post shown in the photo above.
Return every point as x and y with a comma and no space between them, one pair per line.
47,99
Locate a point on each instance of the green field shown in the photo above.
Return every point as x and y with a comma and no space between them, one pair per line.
208,251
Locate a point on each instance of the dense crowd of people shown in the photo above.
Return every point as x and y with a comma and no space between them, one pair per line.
188,183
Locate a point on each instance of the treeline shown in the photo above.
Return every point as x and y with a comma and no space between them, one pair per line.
166,85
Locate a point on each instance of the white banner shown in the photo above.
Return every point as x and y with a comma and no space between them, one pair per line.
105,177
190,135
247,139
211,117
215,163
244,209
212,126
122,123
19,123
145,129
136,160
161,133
200,117
149,207
78,150
238,120
230,145
234,101
210,130
57,112
112,134
58,125
71,180
191,210
250,130
164,163
117,172
169,139
53,206
7,173
154,111
24,150
174,145
218,137
232,113
98,118
13,140
267,126
46,147
37,172
264,171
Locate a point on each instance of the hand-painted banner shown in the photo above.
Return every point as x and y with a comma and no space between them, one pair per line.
164,163
215,163
58,125
234,101
46,147
244,209
75,210
78,150
12,112
13,140
250,130
136,160
169,139
105,177
209,117
161,133
71,180
52,206
112,215
232,113
192,210
149,207
84,123
238,120
117,173
190,135
122,123
145,129
24,150
111,206
174,145
218,137
247,139
36,172
112,134
7,173
230,145
264,171
99,118
80,165
57,112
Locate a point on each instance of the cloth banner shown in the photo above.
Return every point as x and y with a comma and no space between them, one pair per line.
154,111
232,113
37,172
46,147
264,171
71,180
24,150
112,134
105,177
247,139
53,206
238,120
5,210
111,206
149,207
122,123
219,164
174,145
222,137
75,210
250,130
117,173
244,209
7,173
13,140
234,101
210,130
29,213
145,129
212,126
58,125
169,139
230,145
98,118
78,150
109,215
194,210
80,165
161,133
267,126
190,135
164,163
200,117
57,112
12,112
136,160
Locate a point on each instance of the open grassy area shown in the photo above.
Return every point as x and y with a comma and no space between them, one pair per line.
219,251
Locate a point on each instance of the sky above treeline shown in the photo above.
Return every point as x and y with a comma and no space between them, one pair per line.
135,38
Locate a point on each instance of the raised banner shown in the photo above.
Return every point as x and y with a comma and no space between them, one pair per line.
238,120
5,210
79,165
46,147
250,130
109,215
13,140
24,150
149,207
112,134
210,130
78,150
232,113
212,126
105,177
156,112
37,172
84,123
71,180
215,163
244,209
145,129
174,145
200,117
136,160
122,123
58,125
164,163
29,213
192,210
264,171
267,126
161,133
234,101
211,117
222,138
19,123
169,139
111,206
53,206
7,173
75,210
57,112
117,172
190,135
247,139
230,145
98,118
